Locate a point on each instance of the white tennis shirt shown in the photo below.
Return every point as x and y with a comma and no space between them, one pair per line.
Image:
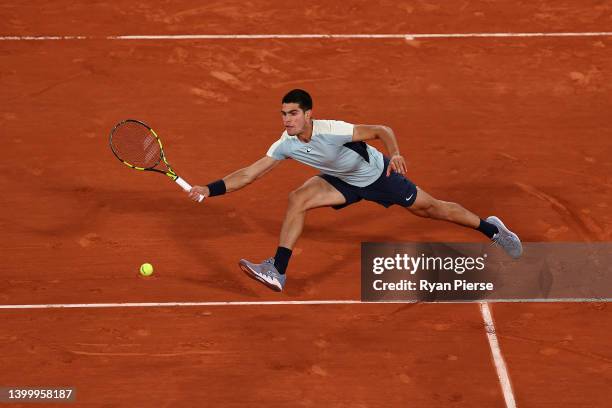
327,153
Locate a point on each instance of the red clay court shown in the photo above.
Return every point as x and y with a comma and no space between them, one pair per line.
504,123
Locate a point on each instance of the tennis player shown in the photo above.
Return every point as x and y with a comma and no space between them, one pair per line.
351,170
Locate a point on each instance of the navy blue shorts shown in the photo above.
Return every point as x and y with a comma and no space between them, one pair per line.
386,191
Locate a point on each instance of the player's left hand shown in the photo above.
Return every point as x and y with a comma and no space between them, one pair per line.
396,164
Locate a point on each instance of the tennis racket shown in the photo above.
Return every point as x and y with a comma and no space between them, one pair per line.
137,146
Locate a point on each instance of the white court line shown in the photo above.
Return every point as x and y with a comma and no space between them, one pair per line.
498,359
185,304
271,303
407,36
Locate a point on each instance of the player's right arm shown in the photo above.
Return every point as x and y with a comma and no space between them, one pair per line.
240,178
247,175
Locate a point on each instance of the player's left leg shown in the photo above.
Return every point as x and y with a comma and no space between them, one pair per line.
396,189
429,207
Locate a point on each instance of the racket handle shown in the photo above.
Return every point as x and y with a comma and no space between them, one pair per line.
187,187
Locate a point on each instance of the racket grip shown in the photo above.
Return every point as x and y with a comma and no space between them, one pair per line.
187,187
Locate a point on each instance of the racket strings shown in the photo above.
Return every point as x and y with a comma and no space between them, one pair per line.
136,145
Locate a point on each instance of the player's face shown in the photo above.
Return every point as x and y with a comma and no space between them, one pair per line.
295,119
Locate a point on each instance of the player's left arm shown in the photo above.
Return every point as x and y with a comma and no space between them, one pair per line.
362,133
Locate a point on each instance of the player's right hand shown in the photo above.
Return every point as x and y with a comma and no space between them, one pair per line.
197,191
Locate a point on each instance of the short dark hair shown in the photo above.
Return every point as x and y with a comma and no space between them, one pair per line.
299,96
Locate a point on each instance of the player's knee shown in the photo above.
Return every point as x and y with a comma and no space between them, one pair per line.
297,200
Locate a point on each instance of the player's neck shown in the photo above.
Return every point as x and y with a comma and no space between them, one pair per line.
306,135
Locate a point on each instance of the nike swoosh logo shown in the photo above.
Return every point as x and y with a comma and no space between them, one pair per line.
266,277
408,198
308,150
274,281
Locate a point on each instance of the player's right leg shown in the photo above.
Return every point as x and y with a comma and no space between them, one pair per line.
314,193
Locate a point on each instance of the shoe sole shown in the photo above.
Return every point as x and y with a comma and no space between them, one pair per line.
507,231
251,274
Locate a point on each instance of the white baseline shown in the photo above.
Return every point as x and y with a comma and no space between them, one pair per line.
407,36
272,303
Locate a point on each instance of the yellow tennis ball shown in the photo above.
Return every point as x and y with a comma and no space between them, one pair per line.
146,269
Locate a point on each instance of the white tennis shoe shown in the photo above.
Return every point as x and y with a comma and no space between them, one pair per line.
506,239
265,273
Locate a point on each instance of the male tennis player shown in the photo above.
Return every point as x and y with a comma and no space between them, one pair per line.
351,170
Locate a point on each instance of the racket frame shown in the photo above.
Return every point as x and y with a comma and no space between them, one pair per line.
162,157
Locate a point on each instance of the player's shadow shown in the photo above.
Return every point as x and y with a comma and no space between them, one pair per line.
298,286
330,234
192,226
206,224
333,232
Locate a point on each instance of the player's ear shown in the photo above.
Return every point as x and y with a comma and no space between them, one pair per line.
308,114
